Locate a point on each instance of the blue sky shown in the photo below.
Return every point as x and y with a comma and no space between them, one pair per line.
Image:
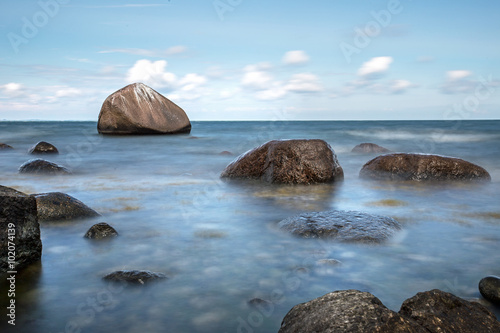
254,60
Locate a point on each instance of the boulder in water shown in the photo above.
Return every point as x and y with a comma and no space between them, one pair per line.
100,231
43,147
5,146
489,287
43,167
134,276
368,148
56,206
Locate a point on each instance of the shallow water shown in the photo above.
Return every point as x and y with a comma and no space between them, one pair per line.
218,241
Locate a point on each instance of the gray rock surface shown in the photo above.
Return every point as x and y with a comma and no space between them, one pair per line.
134,276
422,167
43,167
288,162
345,226
56,206
489,287
43,147
100,231
19,209
138,109
367,148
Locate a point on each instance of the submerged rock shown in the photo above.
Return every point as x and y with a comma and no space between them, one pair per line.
438,311
18,225
44,167
5,146
43,147
56,206
135,277
100,231
138,109
366,148
344,226
489,287
288,162
422,167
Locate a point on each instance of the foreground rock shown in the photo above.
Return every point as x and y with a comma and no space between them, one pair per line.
100,231
355,311
438,311
288,162
135,277
344,226
18,225
43,167
43,147
5,146
367,148
421,167
138,109
489,287
56,206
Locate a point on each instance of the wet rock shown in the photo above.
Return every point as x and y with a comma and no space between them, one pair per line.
288,162
422,167
100,231
259,302
5,146
43,147
138,109
330,262
43,167
56,206
438,311
347,311
135,277
367,148
225,153
489,287
19,209
344,226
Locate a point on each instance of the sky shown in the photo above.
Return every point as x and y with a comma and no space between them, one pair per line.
254,60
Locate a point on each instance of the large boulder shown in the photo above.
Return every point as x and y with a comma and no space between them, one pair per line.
100,231
438,311
43,147
288,162
43,167
368,148
422,167
56,206
134,276
346,311
138,109
18,226
344,226
489,287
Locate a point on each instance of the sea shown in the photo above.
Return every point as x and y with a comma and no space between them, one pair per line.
218,241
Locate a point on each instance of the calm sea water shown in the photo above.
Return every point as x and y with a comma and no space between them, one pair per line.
218,241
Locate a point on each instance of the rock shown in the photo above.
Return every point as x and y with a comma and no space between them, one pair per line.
259,302
438,311
346,311
135,277
19,209
344,226
44,167
367,148
100,231
54,206
225,153
489,287
421,167
288,162
138,109
5,146
43,147
329,262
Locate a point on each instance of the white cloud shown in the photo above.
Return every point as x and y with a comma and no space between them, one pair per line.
304,82
174,50
257,77
276,91
458,81
375,66
12,89
68,92
192,81
152,74
457,75
297,57
400,86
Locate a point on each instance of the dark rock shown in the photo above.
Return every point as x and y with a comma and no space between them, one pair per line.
345,226
256,302
330,262
138,109
421,167
56,206
20,209
5,146
43,147
367,148
346,311
438,311
288,162
44,167
134,277
489,287
100,231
